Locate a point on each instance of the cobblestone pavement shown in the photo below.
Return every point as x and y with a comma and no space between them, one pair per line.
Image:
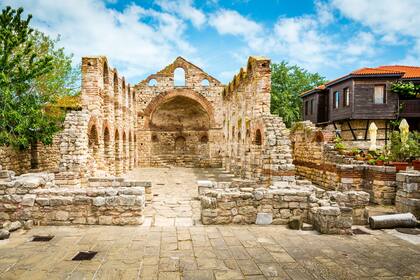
176,249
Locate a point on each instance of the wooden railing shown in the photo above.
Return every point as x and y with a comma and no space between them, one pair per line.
410,108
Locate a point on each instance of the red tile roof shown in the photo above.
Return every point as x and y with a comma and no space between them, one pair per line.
321,87
409,71
405,72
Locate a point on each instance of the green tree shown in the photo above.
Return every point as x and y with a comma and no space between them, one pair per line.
287,82
33,76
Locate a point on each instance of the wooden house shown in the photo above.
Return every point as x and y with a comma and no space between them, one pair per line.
351,102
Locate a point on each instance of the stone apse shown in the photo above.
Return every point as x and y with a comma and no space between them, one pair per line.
193,122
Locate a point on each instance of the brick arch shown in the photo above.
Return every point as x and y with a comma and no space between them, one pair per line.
188,93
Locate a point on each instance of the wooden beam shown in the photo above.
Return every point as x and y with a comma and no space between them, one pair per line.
367,128
336,132
351,129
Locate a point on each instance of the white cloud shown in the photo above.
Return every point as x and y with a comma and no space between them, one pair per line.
392,20
304,40
233,23
185,9
136,40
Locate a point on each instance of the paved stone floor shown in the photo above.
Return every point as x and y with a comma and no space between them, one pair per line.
173,246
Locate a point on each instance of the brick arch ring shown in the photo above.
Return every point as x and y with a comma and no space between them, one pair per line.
188,93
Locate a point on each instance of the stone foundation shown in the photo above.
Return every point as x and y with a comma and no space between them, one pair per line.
36,197
408,193
245,202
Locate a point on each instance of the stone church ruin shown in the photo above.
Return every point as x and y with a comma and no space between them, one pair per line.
161,122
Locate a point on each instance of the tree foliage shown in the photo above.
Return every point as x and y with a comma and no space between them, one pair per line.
406,89
287,82
34,74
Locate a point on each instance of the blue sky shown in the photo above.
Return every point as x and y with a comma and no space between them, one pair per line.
332,37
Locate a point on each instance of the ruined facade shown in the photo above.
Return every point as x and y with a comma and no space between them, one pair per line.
194,121
187,120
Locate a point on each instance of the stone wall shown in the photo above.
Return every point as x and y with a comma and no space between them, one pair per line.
20,160
256,143
408,193
246,202
179,124
34,196
316,160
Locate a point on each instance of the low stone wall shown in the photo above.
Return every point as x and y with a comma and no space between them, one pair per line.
120,182
36,197
408,192
245,202
316,160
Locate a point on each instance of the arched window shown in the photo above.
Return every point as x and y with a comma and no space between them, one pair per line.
204,139
93,141
180,143
179,77
107,139
155,138
117,155
106,74
258,138
205,83
115,83
153,83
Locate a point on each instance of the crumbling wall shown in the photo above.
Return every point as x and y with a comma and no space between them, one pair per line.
256,143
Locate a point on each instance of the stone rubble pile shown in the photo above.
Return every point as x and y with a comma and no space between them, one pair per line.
244,202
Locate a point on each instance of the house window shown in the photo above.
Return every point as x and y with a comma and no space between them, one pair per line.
306,107
312,106
336,99
346,97
379,95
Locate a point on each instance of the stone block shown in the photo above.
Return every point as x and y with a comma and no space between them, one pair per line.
62,215
105,220
28,200
264,219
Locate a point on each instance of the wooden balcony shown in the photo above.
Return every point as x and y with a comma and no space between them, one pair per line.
410,108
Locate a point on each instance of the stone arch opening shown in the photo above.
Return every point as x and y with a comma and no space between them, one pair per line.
180,144
153,83
115,84
205,83
125,152
131,150
204,139
107,145
117,155
177,123
93,141
179,77
258,138
106,74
